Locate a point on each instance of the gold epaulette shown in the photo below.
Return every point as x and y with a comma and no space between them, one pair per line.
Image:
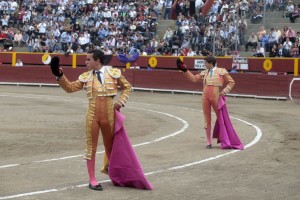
222,71
85,77
114,72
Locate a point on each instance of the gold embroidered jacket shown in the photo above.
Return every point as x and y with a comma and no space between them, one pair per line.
220,76
88,80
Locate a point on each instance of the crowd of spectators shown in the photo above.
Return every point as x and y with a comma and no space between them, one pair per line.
223,30
127,27
78,25
279,43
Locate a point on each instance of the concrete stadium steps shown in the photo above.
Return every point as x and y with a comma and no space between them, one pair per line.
274,14
166,22
163,25
20,49
269,25
272,20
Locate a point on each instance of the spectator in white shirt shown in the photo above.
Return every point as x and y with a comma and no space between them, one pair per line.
132,13
278,35
112,41
120,44
61,18
270,5
60,10
288,9
287,45
107,51
82,41
107,14
98,23
5,20
89,1
224,7
42,27
190,52
26,17
18,38
5,6
198,6
56,33
260,51
213,18
19,63
13,6
272,39
244,7
168,34
87,37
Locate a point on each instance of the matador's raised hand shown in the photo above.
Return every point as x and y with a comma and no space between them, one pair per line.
54,64
180,65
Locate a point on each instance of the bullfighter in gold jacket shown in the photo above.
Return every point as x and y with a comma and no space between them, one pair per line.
213,79
101,85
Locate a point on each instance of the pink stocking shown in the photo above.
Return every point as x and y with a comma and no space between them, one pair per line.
91,170
208,136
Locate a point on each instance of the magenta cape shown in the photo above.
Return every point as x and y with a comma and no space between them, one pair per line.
124,167
224,130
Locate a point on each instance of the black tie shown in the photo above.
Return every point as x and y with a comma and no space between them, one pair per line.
98,76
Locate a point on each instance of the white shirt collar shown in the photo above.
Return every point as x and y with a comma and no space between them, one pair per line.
214,68
102,70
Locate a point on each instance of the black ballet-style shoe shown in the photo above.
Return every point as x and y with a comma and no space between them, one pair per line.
96,187
209,146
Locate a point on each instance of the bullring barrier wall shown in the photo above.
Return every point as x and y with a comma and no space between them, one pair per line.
255,82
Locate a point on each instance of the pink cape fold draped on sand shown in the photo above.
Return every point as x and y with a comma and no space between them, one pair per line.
224,130
124,167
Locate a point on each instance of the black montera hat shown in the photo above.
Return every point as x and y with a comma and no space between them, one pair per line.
211,59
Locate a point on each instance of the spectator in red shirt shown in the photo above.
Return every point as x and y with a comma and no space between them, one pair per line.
3,37
184,51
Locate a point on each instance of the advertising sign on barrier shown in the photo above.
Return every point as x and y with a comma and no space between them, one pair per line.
199,64
240,62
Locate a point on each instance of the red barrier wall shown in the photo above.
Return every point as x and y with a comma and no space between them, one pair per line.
6,57
247,84
162,62
36,59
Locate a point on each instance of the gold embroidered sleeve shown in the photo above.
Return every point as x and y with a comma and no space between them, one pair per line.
126,90
230,82
191,77
68,86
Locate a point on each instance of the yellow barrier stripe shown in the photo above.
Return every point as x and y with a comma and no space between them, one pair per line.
14,59
74,61
296,67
